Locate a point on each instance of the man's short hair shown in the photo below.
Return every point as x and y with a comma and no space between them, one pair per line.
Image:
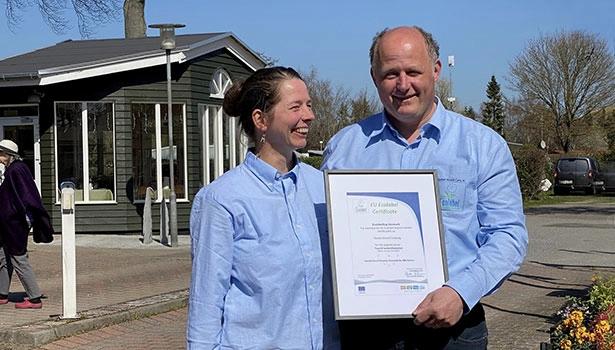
432,45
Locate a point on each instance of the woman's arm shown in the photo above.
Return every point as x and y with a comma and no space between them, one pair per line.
211,229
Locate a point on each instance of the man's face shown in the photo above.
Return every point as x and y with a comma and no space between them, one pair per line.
405,76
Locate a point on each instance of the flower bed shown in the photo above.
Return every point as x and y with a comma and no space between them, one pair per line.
587,323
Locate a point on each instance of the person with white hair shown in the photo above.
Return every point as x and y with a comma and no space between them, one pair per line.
22,210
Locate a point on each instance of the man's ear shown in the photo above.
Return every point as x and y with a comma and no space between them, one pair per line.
437,68
260,121
372,74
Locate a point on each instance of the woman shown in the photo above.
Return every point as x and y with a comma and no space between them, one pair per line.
22,210
257,273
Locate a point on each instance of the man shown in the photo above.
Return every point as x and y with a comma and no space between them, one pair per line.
485,232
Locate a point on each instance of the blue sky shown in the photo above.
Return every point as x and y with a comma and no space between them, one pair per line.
334,36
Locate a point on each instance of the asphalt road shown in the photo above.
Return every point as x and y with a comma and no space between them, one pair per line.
568,245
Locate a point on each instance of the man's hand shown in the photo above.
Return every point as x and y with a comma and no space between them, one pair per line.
441,308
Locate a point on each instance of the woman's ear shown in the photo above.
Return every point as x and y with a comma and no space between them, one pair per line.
260,121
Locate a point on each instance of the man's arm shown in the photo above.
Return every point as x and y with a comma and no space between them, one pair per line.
502,240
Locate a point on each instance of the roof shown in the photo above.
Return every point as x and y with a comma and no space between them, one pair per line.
77,59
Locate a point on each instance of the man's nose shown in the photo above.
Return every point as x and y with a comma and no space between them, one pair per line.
403,82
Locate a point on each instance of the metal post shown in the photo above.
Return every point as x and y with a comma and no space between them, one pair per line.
172,196
69,270
167,34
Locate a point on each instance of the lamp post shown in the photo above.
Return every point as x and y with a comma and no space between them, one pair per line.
451,99
167,35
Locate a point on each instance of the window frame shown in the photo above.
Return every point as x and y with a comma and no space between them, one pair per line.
85,147
235,142
159,175
220,83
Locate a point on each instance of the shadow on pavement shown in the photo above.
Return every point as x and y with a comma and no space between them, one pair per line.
573,209
548,318
586,251
555,290
576,267
548,280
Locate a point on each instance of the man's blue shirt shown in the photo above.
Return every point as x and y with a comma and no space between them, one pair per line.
257,275
485,234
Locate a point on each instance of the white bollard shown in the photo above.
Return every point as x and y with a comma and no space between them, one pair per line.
147,216
69,271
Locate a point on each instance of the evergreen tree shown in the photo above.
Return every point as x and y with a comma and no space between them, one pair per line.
493,110
469,112
609,127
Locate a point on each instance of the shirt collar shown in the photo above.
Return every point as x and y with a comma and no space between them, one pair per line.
268,174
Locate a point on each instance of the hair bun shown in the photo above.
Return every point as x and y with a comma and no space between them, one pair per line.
232,98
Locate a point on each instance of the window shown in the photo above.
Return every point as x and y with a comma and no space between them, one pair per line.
151,154
85,151
223,145
220,83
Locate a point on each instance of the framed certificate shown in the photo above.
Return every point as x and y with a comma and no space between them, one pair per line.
386,241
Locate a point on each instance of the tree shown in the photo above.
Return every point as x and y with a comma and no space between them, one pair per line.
469,112
571,74
328,100
493,110
444,91
334,107
528,123
134,19
363,105
89,14
610,125
607,121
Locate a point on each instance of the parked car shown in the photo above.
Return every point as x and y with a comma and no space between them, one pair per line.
607,174
577,174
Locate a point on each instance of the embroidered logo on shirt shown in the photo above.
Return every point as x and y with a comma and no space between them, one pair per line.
453,194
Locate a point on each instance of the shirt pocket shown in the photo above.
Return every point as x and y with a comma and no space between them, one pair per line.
456,185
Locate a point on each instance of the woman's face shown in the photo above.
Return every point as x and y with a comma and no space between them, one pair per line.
4,158
290,118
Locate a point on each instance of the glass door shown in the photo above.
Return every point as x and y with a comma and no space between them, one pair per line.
24,132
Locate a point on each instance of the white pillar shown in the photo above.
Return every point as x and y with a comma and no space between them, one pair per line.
69,271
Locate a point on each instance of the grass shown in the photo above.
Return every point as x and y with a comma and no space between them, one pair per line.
552,199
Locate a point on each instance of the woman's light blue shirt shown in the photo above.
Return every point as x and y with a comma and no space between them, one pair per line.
257,275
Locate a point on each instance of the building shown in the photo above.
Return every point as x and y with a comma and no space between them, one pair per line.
94,112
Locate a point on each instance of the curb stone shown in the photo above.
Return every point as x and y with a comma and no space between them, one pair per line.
28,336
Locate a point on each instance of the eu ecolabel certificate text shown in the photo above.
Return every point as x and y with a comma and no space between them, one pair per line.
388,253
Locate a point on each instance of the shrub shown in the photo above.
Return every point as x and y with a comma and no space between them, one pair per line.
587,323
532,167
315,161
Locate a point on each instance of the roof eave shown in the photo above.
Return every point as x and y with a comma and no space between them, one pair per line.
109,67
147,59
229,41
20,79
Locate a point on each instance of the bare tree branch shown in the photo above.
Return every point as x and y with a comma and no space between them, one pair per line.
571,74
88,13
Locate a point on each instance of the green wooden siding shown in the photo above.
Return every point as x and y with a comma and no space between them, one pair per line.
190,86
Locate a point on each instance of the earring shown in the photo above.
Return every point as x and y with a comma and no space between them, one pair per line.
262,139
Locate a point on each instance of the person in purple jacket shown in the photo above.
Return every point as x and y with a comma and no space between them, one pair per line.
22,210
